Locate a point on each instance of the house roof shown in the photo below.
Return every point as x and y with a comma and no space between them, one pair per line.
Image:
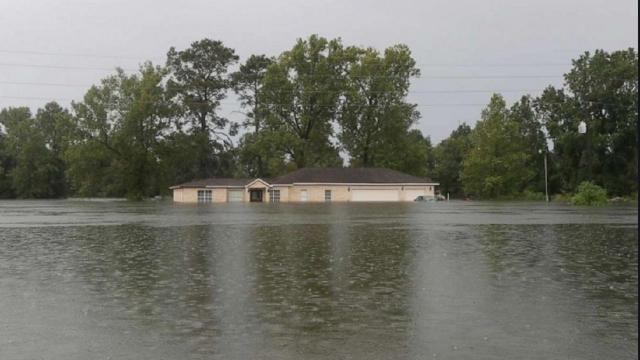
214,182
319,175
349,176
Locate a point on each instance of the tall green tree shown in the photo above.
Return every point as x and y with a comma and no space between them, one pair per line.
302,91
523,114
7,163
496,165
57,127
120,124
449,156
247,83
34,172
602,90
198,80
374,117
254,152
417,155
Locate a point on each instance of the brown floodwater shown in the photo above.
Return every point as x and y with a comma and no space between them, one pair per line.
448,280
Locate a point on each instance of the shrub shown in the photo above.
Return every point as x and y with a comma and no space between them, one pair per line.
532,195
589,194
561,198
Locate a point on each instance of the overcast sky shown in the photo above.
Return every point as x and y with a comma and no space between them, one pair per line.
465,49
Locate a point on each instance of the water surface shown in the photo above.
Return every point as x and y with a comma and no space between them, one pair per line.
456,280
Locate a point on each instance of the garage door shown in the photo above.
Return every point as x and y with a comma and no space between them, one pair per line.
410,195
235,195
375,195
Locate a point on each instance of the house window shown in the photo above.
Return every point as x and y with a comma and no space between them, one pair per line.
274,196
303,195
204,196
327,195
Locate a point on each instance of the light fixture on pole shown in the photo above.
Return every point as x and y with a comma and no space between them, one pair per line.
582,127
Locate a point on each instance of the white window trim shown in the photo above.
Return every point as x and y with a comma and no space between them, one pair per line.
204,196
272,195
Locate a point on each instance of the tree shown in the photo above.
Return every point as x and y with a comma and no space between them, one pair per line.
120,124
534,141
34,164
301,94
57,129
417,155
602,90
7,162
374,118
198,81
496,165
449,155
248,82
259,156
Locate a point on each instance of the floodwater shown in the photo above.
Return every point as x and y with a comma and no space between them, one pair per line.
449,280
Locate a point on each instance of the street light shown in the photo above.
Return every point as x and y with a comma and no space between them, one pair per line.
582,127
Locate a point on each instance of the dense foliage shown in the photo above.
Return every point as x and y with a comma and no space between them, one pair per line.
602,91
497,163
449,155
503,156
136,134
589,194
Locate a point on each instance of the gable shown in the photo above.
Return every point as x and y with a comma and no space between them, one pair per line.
257,183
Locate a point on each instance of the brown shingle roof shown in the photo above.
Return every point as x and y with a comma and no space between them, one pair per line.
321,175
215,182
349,175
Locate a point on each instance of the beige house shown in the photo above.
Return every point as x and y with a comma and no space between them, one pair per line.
310,185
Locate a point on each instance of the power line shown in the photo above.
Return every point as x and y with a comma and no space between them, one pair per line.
287,105
96,56
224,103
28,83
496,65
65,67
491,77
144,58
36,98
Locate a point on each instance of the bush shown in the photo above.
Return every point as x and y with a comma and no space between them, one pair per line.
589,194
561,198
532,195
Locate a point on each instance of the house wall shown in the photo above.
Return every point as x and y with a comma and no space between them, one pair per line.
219,195
177,195
190,195
284,193
315,193
342,193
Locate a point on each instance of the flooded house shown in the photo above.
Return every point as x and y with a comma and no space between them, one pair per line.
310,185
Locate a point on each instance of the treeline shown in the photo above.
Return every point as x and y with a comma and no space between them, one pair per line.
503,156
136,134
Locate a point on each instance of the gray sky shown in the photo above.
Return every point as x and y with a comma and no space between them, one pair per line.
461,47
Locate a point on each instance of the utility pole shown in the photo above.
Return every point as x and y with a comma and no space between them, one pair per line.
546,186
546,183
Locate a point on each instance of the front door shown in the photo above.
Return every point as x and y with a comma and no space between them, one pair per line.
255,195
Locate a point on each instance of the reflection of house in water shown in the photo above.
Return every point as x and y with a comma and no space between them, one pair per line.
310,185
